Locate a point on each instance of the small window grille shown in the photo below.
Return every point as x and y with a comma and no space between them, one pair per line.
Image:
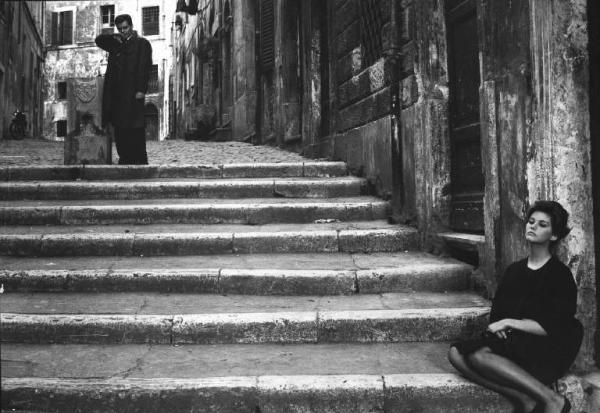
153,80
150,17
108,19
61,128
267,35
61,90
371,22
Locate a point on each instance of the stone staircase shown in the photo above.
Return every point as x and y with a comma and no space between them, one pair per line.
223,288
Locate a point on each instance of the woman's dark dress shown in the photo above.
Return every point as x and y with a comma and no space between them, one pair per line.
547,295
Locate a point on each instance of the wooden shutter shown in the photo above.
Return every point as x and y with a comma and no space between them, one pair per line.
54,39
267,35
67,27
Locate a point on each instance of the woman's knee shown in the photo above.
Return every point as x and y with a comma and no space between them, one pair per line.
454,357
480,357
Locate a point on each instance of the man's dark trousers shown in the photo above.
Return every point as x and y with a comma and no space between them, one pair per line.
131,146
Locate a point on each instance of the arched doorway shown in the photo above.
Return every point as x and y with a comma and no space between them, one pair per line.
151,115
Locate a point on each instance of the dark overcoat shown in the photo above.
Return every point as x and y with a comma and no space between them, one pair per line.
127,72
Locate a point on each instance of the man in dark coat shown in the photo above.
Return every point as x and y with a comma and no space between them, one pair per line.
125,85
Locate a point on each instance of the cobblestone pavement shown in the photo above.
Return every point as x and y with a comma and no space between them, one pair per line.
170,152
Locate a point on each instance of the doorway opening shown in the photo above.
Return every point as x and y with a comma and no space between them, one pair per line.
467,181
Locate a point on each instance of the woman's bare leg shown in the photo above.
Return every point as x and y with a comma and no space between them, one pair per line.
460,363
502,370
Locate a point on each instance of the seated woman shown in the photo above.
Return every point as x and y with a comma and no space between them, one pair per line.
533,336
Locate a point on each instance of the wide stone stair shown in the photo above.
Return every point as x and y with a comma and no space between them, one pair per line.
275,287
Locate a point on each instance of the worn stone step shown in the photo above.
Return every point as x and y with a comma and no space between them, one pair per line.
189,188
106,318
254,274
196,211
399,377
195,239
126,172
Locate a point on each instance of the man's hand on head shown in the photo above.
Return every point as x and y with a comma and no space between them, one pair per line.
118,37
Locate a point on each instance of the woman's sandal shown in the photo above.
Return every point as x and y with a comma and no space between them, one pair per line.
566,407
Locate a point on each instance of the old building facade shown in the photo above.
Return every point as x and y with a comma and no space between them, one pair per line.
464,112
21,63
70,30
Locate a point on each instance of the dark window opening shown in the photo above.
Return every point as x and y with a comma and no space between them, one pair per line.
108,18
371,22
61,128
153,80
61,90
150,17
62,28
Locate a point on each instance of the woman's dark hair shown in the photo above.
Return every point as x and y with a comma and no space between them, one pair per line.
558,217
122,18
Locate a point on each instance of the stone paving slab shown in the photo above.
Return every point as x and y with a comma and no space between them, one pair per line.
214,188
208,171
200,361
195,239
254,212
168,304
364,326
435,393
170,152
210,319
438,277
409,260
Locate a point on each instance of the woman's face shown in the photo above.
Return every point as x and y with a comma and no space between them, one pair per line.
538,229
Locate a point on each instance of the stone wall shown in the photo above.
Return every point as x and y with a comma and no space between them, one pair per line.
21,62
360,93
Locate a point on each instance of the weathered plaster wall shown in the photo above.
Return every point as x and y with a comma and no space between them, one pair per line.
426,142
559,165
244,70
505,99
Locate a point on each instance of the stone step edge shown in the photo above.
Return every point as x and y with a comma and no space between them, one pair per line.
155,244
430,277
250,213
386,392
226,188
121,172
317,326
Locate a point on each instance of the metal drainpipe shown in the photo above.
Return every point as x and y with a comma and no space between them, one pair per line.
257,140
393,60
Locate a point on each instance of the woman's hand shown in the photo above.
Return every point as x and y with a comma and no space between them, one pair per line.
501,327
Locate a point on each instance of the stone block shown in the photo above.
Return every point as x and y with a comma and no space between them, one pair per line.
182,244
20,245
325,394
285,242
39,215
247,328
86,141
88,329
286,282
86,244
377,240
435,393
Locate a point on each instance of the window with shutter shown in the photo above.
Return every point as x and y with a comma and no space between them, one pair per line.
150,22
107,22
267,35
62,28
